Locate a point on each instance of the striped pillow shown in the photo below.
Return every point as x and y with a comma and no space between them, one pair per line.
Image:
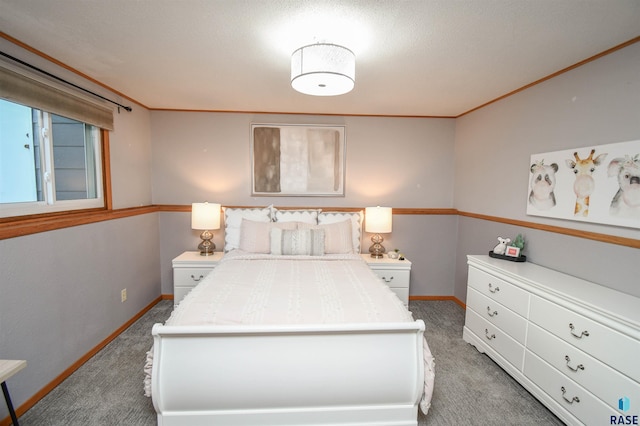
309,242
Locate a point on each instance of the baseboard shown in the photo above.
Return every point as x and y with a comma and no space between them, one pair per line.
23,408
452,298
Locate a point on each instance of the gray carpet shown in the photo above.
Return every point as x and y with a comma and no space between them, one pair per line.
470,389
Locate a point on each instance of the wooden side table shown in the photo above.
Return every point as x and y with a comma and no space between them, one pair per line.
9,367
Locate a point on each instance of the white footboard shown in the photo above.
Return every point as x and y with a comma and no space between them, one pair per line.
346,374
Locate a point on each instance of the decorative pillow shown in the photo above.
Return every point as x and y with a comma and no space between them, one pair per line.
356,224
306,216
233,219
308,242
338,238
255,237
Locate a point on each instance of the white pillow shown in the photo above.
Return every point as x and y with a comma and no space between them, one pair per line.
338,238
233,219
255,236
306,216
356,224
309,242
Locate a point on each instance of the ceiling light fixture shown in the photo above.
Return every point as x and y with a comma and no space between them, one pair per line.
323,69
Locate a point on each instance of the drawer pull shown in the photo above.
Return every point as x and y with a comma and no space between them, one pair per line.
197,279
579,336
489,337
570,401
579,367
491,314
387,280
492,289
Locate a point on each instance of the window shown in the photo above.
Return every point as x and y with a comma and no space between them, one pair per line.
48,162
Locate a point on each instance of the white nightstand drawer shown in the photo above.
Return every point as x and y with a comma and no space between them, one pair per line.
394,273
571,396
505,319
189,276
605,344
595,376
499,290
189,269
491,335
394,278
179,293
402,293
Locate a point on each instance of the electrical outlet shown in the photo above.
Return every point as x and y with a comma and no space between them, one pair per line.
123,295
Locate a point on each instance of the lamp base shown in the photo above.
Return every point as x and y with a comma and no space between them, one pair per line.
377,249
207,246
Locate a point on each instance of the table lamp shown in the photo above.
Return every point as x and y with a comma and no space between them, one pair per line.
205,217
378,220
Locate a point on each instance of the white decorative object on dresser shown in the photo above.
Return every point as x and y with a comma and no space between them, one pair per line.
573,344
188,269
395,273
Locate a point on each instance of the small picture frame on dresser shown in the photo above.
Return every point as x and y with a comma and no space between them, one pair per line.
512,251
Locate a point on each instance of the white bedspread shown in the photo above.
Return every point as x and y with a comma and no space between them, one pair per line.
251,289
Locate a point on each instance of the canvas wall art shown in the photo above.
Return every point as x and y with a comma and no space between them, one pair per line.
599,184
295,160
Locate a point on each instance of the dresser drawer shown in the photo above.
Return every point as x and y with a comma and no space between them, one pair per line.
189,276
568,394
499,290
609,346
393,278
506,320
507,347
593,375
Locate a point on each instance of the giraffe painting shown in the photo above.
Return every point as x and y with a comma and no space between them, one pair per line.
584,184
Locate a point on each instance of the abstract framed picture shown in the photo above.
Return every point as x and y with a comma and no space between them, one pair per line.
599,184
297,160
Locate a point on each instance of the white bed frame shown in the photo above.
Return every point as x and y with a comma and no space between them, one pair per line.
343,374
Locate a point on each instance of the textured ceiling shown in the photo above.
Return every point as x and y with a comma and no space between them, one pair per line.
415,58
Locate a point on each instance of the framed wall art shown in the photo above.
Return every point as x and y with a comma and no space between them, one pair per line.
599,184
297,160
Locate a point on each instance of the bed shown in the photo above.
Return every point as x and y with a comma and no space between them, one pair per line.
290,338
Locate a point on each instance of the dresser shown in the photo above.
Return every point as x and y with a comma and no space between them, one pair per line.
393,272
573,344
189,269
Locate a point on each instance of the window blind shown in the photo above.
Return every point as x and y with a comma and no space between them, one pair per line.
21,89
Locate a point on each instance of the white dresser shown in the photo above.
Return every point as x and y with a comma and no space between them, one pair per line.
189,269
393,272
573,344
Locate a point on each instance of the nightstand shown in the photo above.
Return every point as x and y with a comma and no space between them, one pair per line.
189,269
393,272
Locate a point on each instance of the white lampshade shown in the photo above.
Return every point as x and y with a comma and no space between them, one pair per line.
378,220
323,69
205,216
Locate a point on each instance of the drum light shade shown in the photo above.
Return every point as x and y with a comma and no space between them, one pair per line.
323,69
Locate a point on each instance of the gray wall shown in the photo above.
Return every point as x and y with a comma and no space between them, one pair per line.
61,293
60,290
397,162
598,103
